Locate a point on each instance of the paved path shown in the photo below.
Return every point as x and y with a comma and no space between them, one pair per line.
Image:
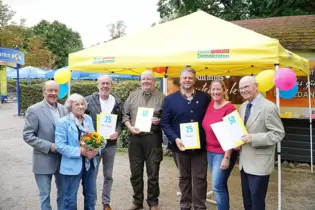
18,190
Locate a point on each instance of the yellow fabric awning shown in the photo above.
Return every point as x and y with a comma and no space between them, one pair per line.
208,44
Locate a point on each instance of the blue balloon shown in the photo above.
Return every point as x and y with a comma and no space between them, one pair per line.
63,90
288,94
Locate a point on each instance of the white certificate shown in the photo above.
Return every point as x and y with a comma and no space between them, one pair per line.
106,124
229,131
235,126
189,134
144,119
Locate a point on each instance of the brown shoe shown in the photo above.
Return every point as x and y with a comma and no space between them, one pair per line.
135,207
154,208
107,207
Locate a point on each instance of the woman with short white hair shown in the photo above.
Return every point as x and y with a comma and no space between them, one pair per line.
78,162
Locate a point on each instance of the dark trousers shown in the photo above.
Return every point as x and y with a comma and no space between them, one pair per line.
192,179
148,149
175,159
254,190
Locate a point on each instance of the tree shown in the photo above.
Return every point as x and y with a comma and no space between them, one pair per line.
117,29
236,9
6,14
59,39
38,55
14,35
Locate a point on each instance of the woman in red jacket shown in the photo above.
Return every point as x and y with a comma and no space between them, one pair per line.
220,162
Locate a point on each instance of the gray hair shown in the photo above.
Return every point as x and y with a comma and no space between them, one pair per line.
74,98
48,83
105,76
188,69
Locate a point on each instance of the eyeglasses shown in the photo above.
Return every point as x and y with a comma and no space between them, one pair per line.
244,88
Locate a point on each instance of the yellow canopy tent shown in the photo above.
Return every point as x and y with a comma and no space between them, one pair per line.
208,44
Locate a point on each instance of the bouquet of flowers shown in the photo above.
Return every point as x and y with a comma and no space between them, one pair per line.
93,141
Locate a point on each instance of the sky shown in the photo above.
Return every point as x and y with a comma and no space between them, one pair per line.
88,17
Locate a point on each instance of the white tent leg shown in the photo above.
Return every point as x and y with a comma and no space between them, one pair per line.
311,126
164,86
279,152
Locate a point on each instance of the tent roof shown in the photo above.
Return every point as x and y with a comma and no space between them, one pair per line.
210,45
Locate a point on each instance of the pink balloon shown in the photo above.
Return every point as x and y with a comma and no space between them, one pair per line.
285,79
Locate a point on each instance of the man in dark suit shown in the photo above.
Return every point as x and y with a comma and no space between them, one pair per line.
257,156
39,132
103,101
187,105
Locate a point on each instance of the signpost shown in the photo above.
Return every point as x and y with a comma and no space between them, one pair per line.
14,58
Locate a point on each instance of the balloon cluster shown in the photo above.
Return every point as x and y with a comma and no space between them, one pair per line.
62,76
284,79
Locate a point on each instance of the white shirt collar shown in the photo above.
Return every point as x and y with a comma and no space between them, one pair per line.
255,99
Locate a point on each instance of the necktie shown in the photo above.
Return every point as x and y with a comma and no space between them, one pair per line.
247,112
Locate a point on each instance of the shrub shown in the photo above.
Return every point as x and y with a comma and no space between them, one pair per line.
31,94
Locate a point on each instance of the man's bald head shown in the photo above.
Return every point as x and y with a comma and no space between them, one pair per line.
147,74
248,88
147,81
51,92
249,79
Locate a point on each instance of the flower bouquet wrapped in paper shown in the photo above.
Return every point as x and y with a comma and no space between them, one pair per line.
93,141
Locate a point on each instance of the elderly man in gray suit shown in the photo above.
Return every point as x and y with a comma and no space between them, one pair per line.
257,156
39,132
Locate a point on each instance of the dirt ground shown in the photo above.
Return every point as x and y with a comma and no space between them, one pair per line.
18,190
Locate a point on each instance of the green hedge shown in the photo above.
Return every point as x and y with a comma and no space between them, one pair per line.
31,94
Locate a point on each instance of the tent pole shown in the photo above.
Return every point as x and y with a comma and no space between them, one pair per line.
278,149
311,126
164,81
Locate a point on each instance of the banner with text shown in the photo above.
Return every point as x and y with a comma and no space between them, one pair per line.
300,100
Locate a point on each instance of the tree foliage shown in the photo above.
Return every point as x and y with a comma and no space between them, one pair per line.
117,29
59,39
46,45
38,55
236,9
6,14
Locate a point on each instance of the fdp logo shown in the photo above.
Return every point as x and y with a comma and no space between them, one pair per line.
17,57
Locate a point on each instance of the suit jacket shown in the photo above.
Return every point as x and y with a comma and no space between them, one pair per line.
266,129
94,108
39,132
68,144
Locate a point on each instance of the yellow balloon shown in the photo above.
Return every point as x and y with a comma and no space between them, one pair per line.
265,80
62,76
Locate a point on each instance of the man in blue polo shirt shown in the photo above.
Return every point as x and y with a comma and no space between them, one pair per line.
187,105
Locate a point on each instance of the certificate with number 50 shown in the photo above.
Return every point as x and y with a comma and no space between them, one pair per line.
144,119
189,134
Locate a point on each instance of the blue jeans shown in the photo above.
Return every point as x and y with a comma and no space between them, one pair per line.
220,178
72,183
43,182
